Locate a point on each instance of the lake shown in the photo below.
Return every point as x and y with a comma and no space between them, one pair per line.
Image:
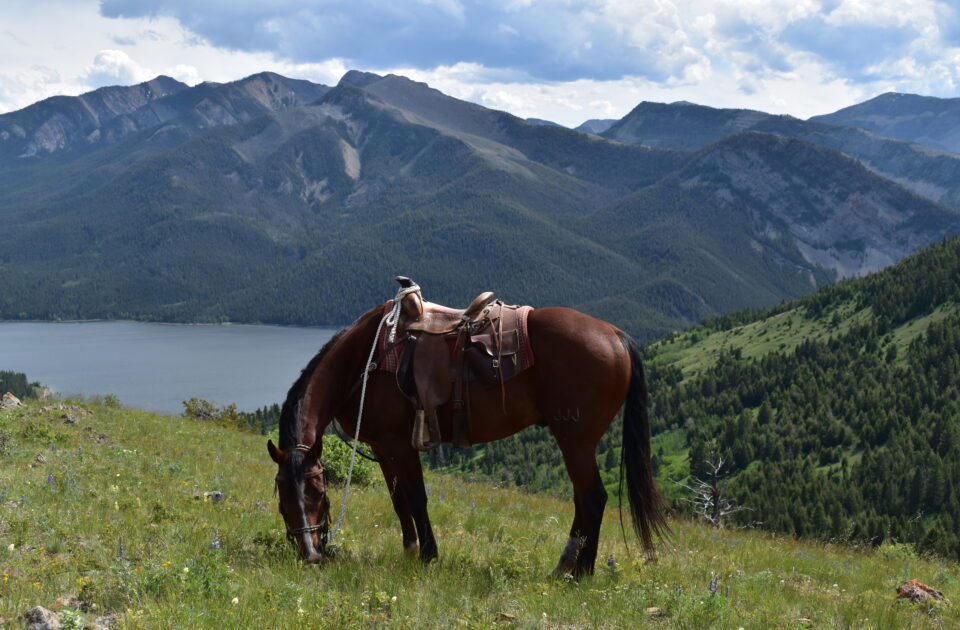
157,366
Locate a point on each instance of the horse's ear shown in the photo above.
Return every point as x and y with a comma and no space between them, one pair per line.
275,453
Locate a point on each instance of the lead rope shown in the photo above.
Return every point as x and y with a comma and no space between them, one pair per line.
391,318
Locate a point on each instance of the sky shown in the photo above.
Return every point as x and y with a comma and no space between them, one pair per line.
559,60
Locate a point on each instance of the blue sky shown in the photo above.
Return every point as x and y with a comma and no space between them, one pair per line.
561,60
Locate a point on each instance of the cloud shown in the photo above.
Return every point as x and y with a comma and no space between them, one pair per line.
115,67
550,40
666,41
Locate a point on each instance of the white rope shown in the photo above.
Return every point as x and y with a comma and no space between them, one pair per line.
391,318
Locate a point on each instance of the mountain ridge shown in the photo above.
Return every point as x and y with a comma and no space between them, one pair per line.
252,192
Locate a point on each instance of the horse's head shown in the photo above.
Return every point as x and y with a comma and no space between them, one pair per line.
304,506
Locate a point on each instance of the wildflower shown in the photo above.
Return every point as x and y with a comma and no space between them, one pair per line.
235,601
11,547
186,570
610,562
215,543
50,479
37,584
393,599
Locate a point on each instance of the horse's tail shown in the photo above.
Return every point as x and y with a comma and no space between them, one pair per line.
647,505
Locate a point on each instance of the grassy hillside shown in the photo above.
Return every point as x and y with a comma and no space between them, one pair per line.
104,508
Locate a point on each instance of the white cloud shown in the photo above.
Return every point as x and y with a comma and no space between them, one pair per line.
115,67
550,59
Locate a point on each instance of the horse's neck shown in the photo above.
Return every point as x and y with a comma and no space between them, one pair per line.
336,375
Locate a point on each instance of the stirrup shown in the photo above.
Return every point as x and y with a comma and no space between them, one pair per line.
425,437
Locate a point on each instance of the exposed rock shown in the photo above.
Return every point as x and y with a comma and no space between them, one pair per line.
66,602
654,611
9,401
917,591
39,618
104,622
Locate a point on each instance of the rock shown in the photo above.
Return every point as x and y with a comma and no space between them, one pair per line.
104,622
917,591
654,611
9,401
69,418
41,459
66,602
39,618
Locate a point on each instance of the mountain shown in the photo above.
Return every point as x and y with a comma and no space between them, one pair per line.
596,125
61,123
928,172
541,121
838,414
758,217
273,200
927,120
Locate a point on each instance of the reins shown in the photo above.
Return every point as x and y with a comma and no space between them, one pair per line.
391,318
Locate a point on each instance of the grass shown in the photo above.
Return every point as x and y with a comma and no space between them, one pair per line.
697,350
107,510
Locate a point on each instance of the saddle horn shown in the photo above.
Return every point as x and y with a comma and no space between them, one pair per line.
405,282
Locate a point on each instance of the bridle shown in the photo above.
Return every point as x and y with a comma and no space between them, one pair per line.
324,525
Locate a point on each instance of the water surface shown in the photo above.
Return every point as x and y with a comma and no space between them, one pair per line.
157,366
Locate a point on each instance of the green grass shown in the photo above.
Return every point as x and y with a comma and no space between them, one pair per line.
72,495
696,350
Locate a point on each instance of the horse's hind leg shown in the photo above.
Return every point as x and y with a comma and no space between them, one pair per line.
589,499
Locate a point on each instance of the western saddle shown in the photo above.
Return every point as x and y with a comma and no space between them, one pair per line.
444,348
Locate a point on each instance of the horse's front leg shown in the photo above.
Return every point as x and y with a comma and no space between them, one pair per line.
401,505
404,476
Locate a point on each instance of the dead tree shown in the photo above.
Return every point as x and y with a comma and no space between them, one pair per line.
709,496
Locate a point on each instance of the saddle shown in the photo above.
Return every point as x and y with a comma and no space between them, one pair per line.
444,349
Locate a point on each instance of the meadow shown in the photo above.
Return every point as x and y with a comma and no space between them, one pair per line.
152,521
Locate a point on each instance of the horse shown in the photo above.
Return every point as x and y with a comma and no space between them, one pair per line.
585,371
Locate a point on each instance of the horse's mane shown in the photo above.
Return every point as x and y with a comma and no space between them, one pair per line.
290,412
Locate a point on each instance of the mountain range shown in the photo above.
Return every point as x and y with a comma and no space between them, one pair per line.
282,201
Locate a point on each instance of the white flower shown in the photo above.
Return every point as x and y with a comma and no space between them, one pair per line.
235,601
186,569
11,547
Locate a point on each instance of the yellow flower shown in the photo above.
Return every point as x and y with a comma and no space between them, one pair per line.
38,584
166,564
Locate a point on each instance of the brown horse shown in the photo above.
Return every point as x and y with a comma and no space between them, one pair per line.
585,371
